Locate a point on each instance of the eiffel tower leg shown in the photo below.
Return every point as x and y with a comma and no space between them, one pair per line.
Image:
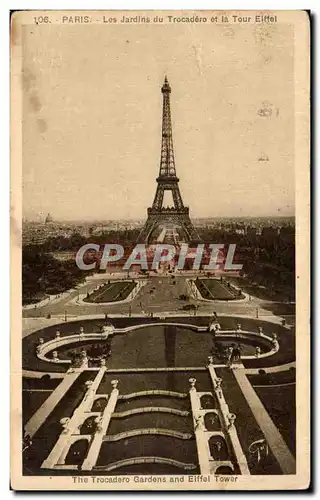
193,233
147,229
186,224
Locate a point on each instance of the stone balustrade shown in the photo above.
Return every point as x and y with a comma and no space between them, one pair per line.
145,460
150,409
199,429
155,431
228,421
71,425
42,413
103,424
155,392
44,348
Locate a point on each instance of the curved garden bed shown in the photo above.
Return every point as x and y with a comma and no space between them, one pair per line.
216,289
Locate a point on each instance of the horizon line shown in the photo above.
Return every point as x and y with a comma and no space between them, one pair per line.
136,219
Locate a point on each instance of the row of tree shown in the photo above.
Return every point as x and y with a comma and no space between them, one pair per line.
75,241
268,260
44,275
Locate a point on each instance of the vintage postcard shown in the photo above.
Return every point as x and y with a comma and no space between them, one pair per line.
160,250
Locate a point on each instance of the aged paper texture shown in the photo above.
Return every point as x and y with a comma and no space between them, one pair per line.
160,250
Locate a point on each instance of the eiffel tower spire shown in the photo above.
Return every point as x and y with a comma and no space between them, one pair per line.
174,220
167,165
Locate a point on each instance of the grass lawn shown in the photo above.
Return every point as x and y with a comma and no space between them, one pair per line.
262,292
149,446
31,401
35,392
214,289
111,292
151,420
246,424
277,393
275,378
280,402
170,381
182,404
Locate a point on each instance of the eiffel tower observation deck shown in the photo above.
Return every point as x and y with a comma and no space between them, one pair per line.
169,224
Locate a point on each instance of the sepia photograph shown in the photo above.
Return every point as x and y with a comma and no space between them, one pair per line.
160,250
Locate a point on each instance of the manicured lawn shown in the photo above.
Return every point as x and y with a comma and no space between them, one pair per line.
31,401
111,292
182,404
35,392
170,381
277,393
246,424
276,378
214,289
280,402
149,446
34,384
151,420
263,292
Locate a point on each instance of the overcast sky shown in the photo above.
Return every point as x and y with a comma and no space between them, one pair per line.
92,108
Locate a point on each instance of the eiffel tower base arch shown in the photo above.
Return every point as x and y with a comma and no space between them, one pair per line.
168,219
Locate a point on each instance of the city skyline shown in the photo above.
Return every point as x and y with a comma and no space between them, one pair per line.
41,219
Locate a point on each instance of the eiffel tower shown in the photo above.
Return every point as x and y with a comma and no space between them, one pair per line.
167,224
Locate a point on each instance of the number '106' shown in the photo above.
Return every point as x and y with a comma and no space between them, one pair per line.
41,19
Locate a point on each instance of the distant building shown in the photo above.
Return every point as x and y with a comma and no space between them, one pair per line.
48,219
